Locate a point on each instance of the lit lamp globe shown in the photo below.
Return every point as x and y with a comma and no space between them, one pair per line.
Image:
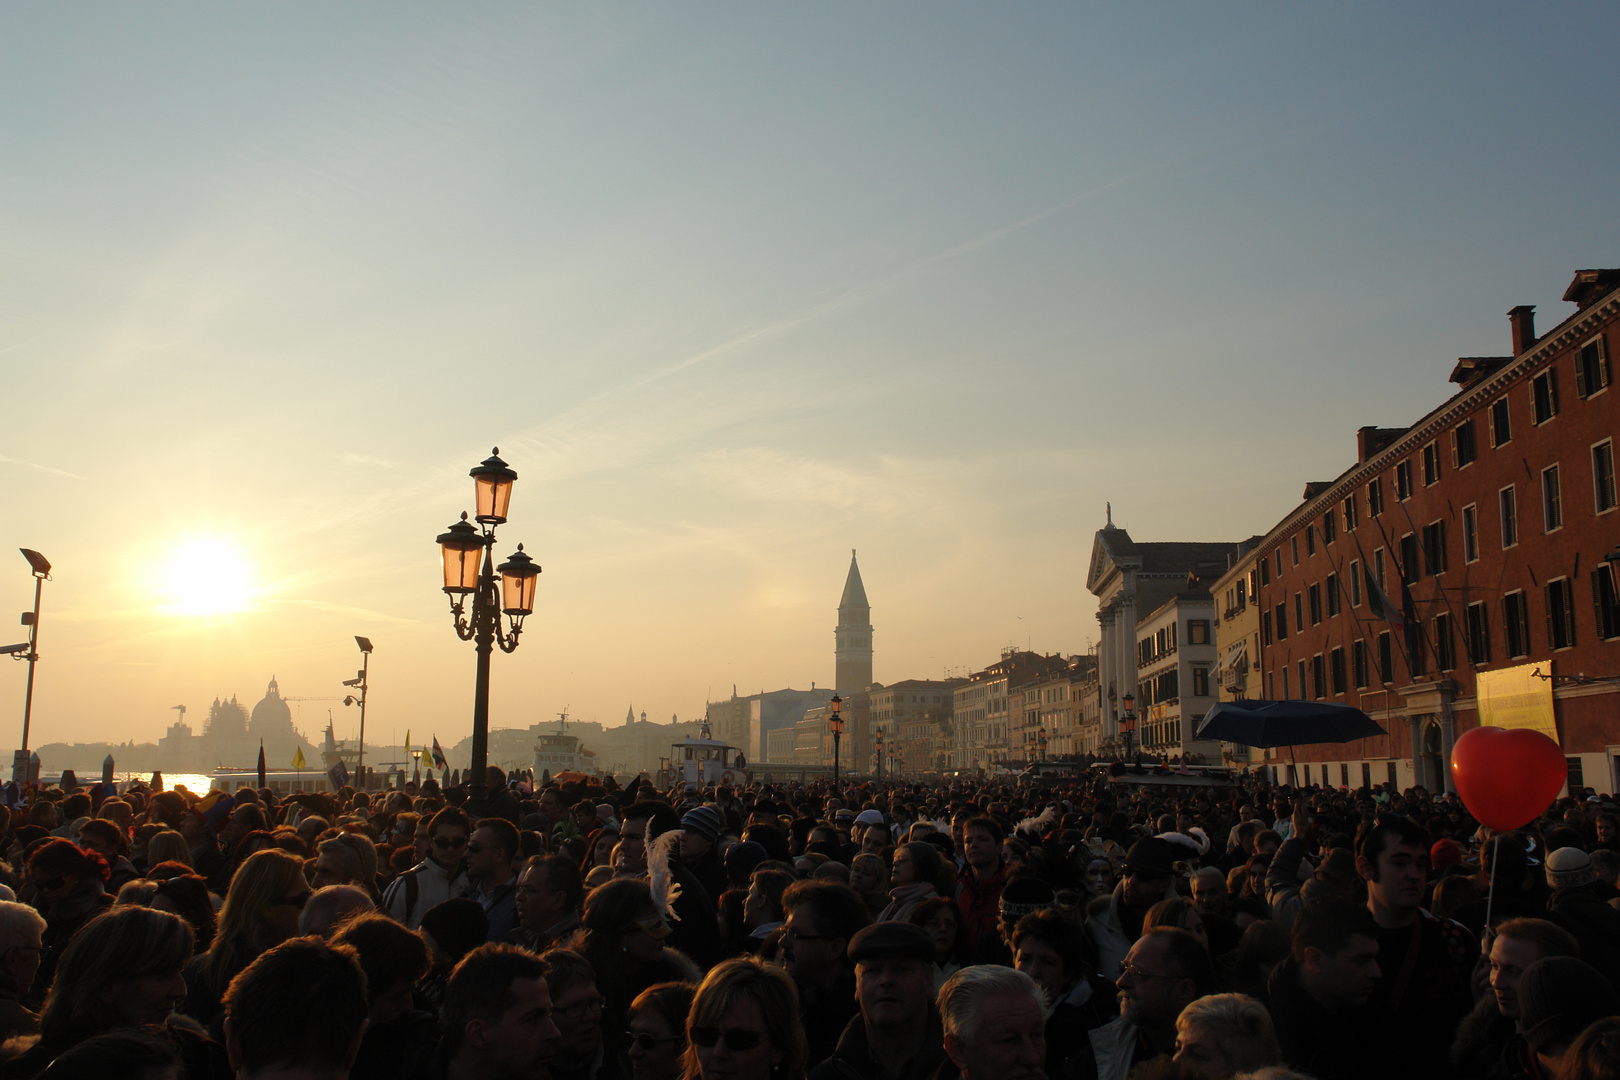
519,575
492,483
463,547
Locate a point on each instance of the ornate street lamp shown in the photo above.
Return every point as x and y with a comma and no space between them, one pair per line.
880,755
1127,722
469,570
28,650
837,726
1040,737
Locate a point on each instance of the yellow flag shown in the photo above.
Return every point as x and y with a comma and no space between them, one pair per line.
298,758
407,742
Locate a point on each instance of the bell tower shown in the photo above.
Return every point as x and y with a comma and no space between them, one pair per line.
854,635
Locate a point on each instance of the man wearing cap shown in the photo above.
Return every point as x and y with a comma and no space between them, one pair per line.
1335,874
701,829
1115,921
897,1035
1576,906
1558,999
978,893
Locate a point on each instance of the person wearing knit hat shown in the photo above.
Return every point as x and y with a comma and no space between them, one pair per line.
1570,868
916,866
1445,853
701,830
1559,997
1577,906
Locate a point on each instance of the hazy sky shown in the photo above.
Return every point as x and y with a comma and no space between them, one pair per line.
735,288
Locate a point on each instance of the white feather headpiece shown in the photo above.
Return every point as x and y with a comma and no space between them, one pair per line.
665,889
1038,825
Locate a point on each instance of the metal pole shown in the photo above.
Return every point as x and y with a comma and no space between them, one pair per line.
360,758
484,617
835,759
33,658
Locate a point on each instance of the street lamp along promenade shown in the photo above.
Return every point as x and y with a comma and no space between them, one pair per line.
28,650
359,683
837,726
1127,722
469,570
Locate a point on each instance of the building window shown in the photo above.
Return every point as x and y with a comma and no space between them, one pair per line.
1552,506
1358,662
1293,545
1198,631
1574,776
1355,583
1544,396
1200,682
1477,618
1510,517
1591,368
1516,624
1332,595
1300,669
1603,476
1299,611
1463,448
1431,465
1501,429
1310,540
1282,621
1386,658
1265,628
1470,519
1561,613
1606,602
1378,569
1285,682
1318,677
1445,646
1330,526
1417,655
1375,496
1350,521
1279,564
1315,593
1336,671
1254,592
1434,548
1409,559
1403,481
1265,571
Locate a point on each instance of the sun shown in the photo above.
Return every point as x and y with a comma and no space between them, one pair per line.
207,576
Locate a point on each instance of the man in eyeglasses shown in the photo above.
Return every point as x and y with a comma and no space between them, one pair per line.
1165,971
576,1008
823,917
436,878
549,894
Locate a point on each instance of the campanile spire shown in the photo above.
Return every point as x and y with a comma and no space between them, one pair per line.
854,634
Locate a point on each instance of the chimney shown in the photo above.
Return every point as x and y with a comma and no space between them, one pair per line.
1522,319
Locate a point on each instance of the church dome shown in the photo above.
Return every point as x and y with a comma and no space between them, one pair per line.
271,716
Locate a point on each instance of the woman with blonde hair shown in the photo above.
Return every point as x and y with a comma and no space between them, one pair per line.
1224,1034
260,912
1177,914
121,971
744,1025
167,846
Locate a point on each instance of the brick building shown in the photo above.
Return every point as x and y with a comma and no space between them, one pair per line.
1488,523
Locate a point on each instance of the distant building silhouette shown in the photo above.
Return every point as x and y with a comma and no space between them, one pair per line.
853,655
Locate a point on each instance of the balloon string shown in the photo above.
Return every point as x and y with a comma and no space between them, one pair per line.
1490,884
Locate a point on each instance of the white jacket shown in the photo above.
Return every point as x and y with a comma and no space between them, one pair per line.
1114,1045
1107,929
432,887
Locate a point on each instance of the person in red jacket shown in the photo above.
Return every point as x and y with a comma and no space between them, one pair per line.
978,894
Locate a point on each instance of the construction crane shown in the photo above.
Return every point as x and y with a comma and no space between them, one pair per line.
181,709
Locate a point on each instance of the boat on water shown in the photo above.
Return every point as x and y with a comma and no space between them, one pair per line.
704,759
559,752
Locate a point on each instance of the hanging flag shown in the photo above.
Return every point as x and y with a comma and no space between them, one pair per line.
1379,603
407,742
438,755
298,759
338,774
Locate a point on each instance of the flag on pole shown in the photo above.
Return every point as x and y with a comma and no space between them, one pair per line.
298,758
1379,603
438,755
407,742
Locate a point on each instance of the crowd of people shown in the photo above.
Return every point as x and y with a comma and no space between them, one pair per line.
1118,926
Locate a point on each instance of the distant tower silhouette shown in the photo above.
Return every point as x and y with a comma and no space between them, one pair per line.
854,635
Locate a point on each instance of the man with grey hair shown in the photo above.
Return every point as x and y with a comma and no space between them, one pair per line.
20,948
995,1024
347,859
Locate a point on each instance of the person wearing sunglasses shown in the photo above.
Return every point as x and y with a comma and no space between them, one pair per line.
744,1025
624,936
655,1032
438,877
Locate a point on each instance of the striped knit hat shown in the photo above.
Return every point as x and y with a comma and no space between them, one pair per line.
706,822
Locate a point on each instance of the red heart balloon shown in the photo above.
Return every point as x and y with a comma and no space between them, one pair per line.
1507,776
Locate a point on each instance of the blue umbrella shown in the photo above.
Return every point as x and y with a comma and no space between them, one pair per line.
1286,723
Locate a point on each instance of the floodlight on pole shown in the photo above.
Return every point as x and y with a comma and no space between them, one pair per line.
40,566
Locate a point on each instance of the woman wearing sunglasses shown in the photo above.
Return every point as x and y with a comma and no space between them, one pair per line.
622,934
260,912
655,1034
744,1025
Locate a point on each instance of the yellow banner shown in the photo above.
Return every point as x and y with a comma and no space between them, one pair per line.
1517,698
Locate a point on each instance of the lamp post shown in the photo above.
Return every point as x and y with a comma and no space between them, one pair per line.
469,570
416,769
1040,738
880,755
837,726
1127,722
28,650
359,683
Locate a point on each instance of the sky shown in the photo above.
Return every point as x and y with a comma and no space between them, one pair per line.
735,289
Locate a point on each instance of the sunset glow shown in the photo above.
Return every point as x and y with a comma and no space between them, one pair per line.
207,576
